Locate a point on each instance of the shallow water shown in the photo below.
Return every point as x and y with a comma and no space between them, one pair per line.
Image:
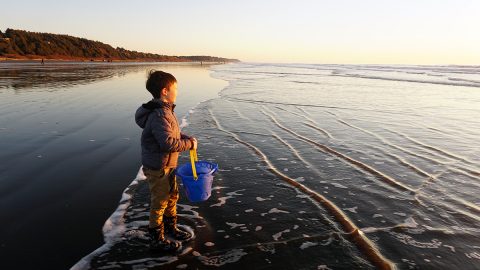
395,148
321,167
327,167
69,147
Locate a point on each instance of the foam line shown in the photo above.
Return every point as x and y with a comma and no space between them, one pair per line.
473,217
389,143
312,105
471,175
303,110
452,83
389,180
296,153
313,125
253,133
432,148
403,162
324,132
241,115
350,160
461,170
449,133
386,178
409,223
283,109
464,203
363,243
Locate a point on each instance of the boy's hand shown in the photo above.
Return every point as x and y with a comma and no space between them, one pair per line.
195,143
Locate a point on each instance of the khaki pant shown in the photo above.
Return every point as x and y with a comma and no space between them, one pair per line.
163,194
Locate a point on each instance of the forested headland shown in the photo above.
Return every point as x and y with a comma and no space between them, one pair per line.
20,44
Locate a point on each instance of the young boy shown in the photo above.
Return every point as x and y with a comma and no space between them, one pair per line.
161,143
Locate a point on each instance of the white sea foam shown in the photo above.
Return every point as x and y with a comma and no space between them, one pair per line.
218,188
222,201
234,225
276,210
230,195
231,256
136,234
338,185
450,247
409,240
279,234
458,228
409,223
189,208
184,122
300,179
440,80
308,244
352,209
369,229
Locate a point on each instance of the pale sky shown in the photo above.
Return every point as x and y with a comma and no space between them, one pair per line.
295,31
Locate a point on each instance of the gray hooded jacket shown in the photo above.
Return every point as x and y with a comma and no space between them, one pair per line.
161,137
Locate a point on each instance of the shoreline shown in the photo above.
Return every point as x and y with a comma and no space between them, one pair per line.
111,147
62,60
115,225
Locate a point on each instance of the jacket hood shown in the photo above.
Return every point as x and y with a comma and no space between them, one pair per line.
142,113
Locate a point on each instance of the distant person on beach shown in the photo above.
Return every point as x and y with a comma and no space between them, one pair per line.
161,143
43,61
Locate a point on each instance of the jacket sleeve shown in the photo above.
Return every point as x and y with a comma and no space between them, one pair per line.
184,136
162,131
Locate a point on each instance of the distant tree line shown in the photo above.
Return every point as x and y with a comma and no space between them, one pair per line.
25,44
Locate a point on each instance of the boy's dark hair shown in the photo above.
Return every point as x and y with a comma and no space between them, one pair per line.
157,80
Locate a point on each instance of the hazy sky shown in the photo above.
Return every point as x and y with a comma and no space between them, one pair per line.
299,31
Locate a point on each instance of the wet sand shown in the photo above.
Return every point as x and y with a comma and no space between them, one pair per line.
70,146
321,167
342,167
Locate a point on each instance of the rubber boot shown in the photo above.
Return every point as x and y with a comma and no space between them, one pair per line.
172,230
158,243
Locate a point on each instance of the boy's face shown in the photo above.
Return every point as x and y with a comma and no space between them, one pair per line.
170,94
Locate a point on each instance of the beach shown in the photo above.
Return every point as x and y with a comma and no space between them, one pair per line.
70,146
321,167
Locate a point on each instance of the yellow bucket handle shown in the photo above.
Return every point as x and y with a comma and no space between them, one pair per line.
193,159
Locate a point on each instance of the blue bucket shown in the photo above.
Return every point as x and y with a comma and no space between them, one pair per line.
200,189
